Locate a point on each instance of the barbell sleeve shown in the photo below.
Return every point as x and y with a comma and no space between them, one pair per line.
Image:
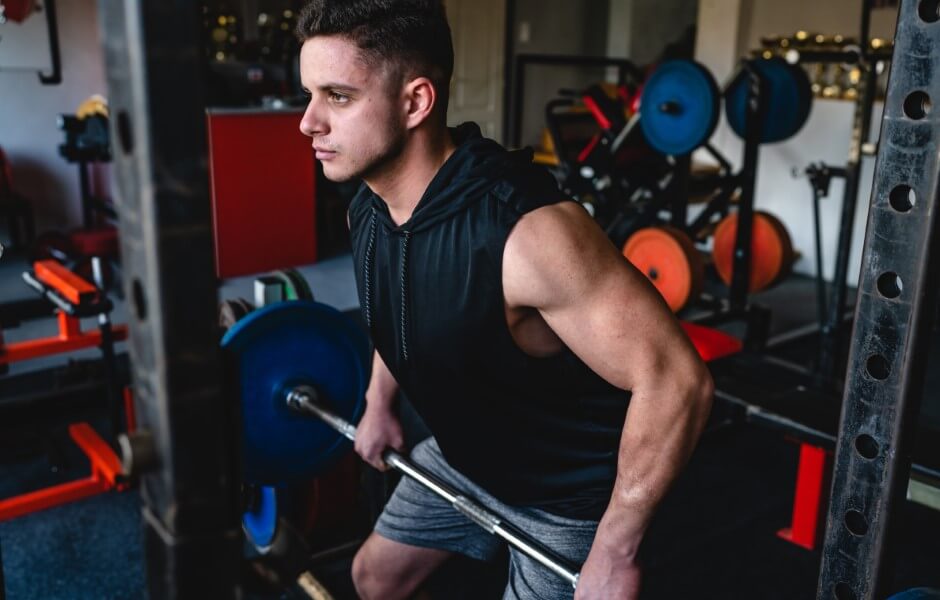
304,399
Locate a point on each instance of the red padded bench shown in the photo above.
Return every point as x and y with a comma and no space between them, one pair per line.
711,344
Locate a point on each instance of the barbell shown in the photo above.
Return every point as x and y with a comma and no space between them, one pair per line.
298,370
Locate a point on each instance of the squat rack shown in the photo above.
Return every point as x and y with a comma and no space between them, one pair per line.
896,297
186,447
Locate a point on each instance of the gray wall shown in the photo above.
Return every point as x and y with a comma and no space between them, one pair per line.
28,112
640,29
557,27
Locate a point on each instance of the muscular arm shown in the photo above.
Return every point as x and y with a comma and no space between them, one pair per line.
379,428
382,385
616,322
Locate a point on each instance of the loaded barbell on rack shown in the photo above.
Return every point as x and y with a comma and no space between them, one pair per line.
681,101
298,370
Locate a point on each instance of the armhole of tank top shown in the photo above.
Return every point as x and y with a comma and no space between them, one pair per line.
507,331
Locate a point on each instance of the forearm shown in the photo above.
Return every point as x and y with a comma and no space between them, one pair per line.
383,388
662,427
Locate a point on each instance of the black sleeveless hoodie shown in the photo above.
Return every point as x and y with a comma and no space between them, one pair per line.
541,432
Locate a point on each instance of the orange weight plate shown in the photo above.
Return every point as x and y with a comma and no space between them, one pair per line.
670,261
771,250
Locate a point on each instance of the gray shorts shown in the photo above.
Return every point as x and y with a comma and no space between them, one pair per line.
418,517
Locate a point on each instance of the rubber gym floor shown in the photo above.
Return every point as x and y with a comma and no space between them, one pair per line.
713,537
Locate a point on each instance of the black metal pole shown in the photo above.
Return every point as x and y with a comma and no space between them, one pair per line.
864,30
88,215
820,276
52,22
679,192
890,342
518,93
754,118
186,448
112,379
509,51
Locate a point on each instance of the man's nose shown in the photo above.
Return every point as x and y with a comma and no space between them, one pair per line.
312,123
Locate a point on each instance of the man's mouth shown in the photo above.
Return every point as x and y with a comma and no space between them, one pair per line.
323,153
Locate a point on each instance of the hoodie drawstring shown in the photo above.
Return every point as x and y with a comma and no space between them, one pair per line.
370,267
404,294
403,280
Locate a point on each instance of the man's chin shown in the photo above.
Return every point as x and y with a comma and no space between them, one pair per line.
336,175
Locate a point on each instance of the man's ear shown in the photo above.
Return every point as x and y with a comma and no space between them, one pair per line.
420,99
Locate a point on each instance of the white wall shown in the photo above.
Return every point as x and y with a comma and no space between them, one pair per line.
824,138
28,112
716,37
727,29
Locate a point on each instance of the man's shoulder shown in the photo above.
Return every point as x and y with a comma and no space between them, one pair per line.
550,248
529,188
562,222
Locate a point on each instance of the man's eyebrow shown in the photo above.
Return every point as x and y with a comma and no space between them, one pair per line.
342,87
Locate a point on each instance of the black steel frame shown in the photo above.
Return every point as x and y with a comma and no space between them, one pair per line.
52,22
509,50
738,307
155,72
833,329
896,298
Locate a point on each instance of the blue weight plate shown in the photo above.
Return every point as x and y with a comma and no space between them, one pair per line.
679,107
788,104
274,349
260,523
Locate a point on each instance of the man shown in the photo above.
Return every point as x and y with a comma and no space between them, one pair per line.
515,328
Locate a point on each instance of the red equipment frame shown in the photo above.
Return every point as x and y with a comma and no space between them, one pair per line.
811,498
105,465
71,337
105,475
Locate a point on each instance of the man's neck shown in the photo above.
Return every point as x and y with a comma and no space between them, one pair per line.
404,182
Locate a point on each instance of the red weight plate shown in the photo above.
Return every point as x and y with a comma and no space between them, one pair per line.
771,250
670,261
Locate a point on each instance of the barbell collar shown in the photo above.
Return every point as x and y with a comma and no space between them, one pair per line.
305,400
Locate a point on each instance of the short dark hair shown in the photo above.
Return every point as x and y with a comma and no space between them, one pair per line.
413,35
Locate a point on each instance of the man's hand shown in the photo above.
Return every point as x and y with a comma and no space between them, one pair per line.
604,577
378,430
610,570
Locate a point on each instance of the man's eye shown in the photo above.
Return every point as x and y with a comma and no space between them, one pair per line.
338,98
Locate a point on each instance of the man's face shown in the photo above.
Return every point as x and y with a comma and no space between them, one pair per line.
354,116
